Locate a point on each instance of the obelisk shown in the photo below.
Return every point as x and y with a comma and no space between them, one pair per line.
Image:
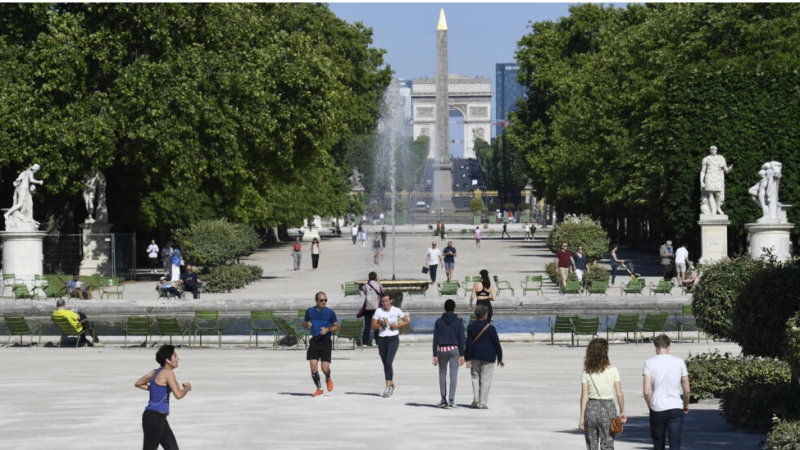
442,111
442,169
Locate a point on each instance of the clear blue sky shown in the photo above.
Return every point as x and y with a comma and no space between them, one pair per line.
480,35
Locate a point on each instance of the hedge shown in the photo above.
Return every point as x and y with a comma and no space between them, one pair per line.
712,374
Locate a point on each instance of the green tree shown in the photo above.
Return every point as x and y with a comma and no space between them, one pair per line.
192,110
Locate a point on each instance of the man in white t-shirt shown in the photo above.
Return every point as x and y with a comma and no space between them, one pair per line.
354,232
681,256
432,260
666,391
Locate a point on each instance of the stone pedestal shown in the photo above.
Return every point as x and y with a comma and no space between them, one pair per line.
774,236
97,249
311,230
22,254
713,237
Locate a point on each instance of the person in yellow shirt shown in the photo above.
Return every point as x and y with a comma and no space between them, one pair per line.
77,320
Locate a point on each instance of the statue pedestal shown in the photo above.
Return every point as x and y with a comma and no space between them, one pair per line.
311,230
22,254
97,249
713,237
774,236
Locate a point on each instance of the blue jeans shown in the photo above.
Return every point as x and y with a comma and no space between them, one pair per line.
613,274
665,422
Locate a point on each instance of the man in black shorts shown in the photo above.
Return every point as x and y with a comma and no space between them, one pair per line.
322,322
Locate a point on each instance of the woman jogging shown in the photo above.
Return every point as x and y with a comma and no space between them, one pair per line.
484,292
160,382
376,248
599,382
388,320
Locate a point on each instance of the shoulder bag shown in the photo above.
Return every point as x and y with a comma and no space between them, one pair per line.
616,426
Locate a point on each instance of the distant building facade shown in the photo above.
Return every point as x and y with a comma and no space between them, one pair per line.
508,91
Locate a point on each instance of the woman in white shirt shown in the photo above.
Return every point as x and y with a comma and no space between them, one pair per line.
388,320
599,381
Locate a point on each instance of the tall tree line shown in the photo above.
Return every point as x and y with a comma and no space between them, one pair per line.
243,111
623,104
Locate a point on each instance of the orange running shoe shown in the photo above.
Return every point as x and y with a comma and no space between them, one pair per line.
330,385
317,393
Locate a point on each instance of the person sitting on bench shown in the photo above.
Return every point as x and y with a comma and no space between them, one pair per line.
190,281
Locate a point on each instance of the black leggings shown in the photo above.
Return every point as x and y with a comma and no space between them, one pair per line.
157,431
365,338
488,305
387,347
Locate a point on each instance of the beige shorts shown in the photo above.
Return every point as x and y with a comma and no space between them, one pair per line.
564,271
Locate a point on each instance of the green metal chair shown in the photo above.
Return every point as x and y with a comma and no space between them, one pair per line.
21,291
18,326
626,323
169,326
112,286
68,330
350,329
40,283
502,285
633,287
653,323
584,326
663,287
208,322
351,288
532,283
449,288
572,287
598,287
137,326
263,321
10,280
686,316
562,324
469,282
301,334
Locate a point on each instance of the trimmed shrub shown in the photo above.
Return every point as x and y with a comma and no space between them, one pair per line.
226,278
784,436
597,274
216,242
753,405
715,296
476,205
255,271
579,230
712,374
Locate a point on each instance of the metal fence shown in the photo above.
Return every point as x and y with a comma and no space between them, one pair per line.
111,255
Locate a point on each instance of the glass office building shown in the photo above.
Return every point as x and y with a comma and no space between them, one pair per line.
508,91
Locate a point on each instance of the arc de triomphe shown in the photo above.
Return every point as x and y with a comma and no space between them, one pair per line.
470,96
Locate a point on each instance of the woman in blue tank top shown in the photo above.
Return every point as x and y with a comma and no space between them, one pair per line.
160,382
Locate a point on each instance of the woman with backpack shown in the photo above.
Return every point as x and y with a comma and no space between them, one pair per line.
372,297
296,252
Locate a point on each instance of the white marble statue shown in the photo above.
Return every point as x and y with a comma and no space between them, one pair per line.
355,178
765,192
712,182
20,216
95,190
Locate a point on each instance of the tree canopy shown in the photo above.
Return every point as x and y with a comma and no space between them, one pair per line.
623,104
242,111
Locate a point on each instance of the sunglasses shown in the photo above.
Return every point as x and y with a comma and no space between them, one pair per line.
322,300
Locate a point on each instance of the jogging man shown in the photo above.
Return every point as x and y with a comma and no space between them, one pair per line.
322,322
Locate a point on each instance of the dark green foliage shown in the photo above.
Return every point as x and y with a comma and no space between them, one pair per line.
192,111
765,305
226,278
715,297
216,242
579,230
712,374
596,273
753,405
623,104
785,435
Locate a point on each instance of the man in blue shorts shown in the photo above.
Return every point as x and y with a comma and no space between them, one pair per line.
449,260
322,322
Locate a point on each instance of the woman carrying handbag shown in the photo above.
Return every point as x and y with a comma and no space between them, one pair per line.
599,382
